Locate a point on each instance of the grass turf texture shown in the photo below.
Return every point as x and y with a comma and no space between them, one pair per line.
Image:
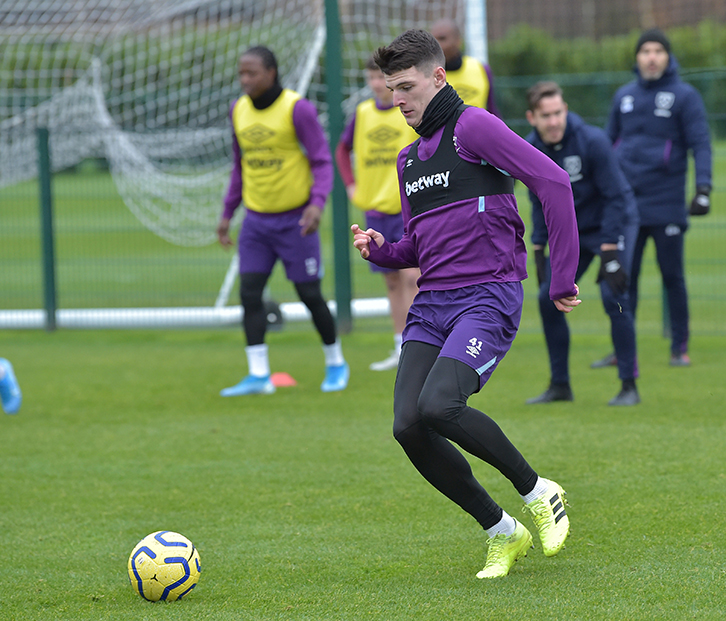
304,507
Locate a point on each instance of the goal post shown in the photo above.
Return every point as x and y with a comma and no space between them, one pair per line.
147,87
341,234
475,30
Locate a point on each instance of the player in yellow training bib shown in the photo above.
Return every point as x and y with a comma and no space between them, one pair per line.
375,135
471,79
283,172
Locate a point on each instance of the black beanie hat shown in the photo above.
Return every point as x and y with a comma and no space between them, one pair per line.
653,35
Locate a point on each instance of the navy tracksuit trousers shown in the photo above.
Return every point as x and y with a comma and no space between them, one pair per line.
618,308
669,241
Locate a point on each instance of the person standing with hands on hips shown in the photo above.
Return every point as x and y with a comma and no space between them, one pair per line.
283,172
654,122
462,229
375,135
607,221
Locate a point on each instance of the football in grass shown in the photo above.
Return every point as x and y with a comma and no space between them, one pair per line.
164,566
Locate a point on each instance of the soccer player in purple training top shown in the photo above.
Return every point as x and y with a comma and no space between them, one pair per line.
463,230
283,171
472,80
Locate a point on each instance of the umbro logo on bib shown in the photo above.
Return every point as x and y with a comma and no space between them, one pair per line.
383,134
257,133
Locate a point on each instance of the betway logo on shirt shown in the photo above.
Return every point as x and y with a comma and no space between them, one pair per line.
428,181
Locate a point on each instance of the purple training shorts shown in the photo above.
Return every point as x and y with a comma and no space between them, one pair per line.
266,237
475,325
390,226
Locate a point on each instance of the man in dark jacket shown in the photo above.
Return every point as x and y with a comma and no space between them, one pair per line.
607,222
654,122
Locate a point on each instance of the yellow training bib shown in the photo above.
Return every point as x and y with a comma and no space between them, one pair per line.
470,82
378,137
276,174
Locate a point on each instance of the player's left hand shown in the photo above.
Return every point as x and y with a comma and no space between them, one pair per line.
701,203
567,304
310,220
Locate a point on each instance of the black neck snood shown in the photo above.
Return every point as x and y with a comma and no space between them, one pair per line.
439,110
268,97
455,63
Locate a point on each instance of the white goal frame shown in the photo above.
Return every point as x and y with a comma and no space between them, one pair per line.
220,314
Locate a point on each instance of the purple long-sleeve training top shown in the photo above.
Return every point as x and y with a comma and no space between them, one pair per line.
315,144
481,240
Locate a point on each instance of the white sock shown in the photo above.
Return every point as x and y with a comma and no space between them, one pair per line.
398,342
333,354
540,489
257,360
505,526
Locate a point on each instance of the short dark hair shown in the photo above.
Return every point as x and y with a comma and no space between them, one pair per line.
371,64
413,48
265,54
537,92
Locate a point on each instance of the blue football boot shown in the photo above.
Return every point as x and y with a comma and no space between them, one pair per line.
336,378
9,389
250,385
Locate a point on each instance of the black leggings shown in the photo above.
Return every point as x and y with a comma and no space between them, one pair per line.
254,321
430,410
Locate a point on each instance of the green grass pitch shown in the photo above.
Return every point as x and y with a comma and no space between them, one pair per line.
302,504
304,507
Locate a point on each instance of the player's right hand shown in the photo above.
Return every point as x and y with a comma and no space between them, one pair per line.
362,240
223,233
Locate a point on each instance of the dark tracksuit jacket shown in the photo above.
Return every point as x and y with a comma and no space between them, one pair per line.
653,125
603,199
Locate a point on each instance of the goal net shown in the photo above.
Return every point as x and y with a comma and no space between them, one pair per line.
147,85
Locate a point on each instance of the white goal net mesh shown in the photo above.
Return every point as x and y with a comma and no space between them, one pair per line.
147,85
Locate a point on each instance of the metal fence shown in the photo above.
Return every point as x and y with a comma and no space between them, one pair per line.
109,269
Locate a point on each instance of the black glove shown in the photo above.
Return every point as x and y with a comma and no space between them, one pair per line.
540,263
612,272
701,203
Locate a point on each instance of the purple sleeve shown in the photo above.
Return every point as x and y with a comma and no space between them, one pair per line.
311,136
491,101
233,198
512,154
401,254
